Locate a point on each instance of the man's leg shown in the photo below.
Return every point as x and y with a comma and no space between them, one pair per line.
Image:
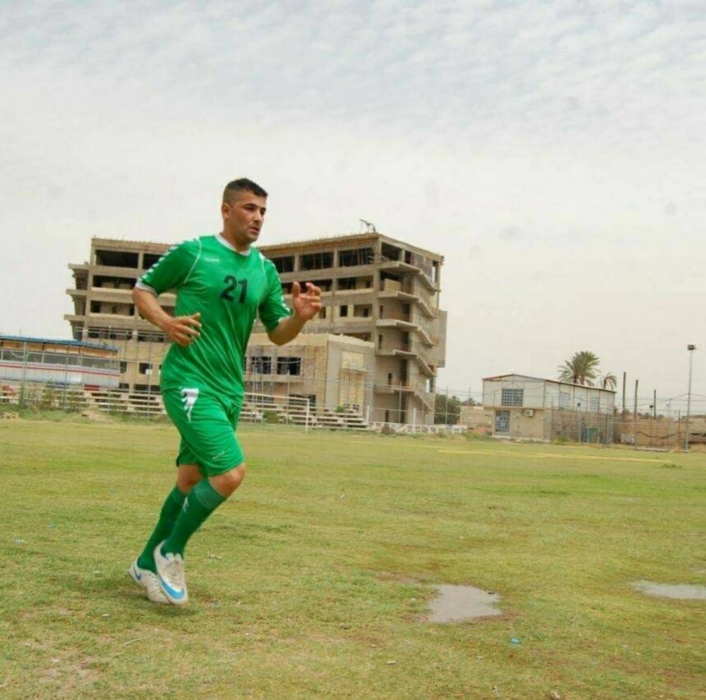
187,477
202,500
143,570
207,426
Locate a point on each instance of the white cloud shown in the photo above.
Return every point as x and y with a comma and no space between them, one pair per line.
552,151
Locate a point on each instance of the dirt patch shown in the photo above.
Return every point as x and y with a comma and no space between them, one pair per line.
97,417
462,603
675,591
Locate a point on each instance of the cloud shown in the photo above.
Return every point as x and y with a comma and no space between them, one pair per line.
546,149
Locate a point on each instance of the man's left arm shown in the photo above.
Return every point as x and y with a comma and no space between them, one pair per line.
305,304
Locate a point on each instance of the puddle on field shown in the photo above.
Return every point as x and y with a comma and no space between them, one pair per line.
462,603
676,591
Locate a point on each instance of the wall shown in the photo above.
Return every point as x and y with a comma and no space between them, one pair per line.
533,391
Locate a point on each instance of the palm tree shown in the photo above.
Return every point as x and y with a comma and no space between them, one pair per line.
582,368
609,381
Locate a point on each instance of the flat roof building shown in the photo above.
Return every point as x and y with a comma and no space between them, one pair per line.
533,408
57,362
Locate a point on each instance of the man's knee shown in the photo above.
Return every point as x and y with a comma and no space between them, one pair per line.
188,476
226,483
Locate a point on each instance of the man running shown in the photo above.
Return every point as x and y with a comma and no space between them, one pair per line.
222,283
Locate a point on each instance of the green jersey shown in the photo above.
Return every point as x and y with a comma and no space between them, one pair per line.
229,289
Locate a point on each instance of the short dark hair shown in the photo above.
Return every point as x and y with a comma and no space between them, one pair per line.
241,185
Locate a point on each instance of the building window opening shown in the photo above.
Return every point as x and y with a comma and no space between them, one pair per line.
149,259
390,283
261,365
347,283
390,252
362,311
325,285
317,261
512,397
354,258
147,337
284,264
117,258
435,272
290,366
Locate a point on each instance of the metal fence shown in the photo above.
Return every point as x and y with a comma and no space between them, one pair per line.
258,407
659,432
574,426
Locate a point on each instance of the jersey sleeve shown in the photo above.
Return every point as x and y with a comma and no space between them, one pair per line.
173,268
273,307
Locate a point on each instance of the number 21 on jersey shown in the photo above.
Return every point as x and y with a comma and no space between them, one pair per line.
231,286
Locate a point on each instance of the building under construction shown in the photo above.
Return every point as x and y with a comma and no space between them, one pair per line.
381,333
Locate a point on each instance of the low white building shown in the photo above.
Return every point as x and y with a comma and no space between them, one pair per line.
532,408
57,362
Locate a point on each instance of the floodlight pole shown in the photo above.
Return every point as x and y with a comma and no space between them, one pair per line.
691,349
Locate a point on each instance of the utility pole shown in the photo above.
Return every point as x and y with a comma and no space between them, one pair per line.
691,349
634,414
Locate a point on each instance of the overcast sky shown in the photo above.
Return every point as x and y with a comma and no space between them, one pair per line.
553,151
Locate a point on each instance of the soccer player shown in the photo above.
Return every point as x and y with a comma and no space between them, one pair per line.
221,283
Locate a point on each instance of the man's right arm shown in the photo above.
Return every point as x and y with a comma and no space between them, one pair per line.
182,330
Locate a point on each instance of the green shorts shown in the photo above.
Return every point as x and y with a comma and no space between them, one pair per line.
206,423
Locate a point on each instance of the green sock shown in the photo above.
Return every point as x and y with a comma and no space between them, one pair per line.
201,502
167,518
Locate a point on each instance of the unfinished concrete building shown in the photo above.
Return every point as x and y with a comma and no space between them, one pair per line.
375,289
104,310
383,291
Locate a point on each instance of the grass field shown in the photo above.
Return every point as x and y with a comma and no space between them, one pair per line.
313,581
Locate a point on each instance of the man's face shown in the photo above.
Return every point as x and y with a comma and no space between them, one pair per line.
243,218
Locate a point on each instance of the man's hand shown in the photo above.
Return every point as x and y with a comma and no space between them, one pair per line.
182,330
308,303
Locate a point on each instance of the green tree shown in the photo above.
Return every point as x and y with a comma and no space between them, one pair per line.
608,381
581,368
447,410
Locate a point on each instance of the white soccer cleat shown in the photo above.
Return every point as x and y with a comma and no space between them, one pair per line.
148,581
170,574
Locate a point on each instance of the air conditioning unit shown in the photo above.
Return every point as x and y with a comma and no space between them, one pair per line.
529,412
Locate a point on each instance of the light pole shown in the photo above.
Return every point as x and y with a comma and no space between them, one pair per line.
691,349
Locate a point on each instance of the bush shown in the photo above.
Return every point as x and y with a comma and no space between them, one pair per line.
271,417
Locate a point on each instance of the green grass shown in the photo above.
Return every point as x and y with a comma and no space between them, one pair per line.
313,580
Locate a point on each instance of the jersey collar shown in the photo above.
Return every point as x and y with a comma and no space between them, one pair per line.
223,241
